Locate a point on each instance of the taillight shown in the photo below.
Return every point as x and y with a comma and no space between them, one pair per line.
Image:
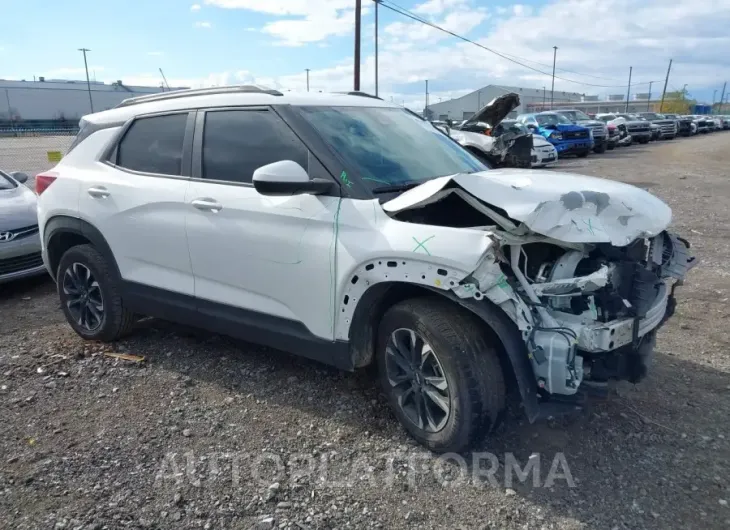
44,180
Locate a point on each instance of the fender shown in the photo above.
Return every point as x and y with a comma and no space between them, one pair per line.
61,226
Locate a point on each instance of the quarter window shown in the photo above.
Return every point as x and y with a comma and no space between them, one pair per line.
154,145
237,142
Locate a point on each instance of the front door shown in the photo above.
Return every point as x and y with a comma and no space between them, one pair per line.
258,259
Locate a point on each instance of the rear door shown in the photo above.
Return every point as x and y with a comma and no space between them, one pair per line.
136,198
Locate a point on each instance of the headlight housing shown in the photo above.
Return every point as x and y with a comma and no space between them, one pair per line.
556,136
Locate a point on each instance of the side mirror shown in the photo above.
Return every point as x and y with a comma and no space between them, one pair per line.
19,176
286,177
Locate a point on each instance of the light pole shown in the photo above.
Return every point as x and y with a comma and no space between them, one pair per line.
358,17
376,47
628,90
543,97
307,70
648,100
88,83
552,88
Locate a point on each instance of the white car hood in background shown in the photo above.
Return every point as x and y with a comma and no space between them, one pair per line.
564,206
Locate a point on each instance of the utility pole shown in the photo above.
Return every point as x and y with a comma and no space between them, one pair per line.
358,16
684,90
628,91
376,47
307,70
426,111
722,97
648,100
88,83
552,88
664,92
543,97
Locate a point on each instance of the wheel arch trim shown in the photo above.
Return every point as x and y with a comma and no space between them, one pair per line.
61,224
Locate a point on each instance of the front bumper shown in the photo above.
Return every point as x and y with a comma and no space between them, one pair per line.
544,156
21,258
640,135
571,147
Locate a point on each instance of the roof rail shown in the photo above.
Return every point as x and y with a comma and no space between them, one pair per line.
361,94
162,96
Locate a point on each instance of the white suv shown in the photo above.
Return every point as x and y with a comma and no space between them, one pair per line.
350,231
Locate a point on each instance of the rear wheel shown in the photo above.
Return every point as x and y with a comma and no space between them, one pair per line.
90,297
441,374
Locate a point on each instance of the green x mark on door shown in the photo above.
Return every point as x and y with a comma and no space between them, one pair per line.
422,244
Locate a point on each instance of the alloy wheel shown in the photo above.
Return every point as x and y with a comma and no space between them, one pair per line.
417,380
84,300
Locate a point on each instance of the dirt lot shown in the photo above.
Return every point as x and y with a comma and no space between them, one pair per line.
261,438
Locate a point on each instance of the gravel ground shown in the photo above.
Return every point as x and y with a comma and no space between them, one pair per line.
213,433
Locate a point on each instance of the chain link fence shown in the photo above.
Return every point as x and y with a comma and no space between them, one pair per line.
33,151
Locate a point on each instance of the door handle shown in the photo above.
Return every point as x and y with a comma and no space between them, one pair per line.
206,204
99,192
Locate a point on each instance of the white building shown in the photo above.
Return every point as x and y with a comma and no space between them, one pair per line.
60,100
464,107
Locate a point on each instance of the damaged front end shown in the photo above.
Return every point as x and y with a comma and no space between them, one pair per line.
583,267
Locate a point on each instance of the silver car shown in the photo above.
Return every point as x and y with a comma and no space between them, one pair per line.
20,244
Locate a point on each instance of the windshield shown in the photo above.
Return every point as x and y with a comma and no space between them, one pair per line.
626,117
575,115
606,117
551,119
5,182
650,116
388,146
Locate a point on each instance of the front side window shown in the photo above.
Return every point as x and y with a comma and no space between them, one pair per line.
154,145
389,146
237,142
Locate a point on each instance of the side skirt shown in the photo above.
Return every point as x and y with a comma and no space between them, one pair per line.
252,326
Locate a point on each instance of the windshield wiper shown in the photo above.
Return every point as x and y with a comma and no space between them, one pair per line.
397,187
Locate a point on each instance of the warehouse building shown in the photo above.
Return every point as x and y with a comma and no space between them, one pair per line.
52,102
464,107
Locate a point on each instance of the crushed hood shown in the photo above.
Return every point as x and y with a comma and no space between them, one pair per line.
496,110
563,206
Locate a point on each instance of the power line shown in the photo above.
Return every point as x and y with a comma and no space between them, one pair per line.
402,11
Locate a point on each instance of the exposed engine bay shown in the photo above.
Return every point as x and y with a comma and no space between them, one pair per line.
588,281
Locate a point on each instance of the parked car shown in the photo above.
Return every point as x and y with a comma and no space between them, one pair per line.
503,147
627,127
667,128
568,139
614,136
20,244
544,153
348,230
684,125
704,125
599,129
725,122
693,124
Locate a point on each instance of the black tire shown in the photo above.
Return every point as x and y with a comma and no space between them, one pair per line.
611,147
582,154
115,320
643,141
469,364
600,149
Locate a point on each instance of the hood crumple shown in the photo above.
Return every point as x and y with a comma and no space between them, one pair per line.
563,206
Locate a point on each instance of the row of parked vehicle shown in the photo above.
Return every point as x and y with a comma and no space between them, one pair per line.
539,139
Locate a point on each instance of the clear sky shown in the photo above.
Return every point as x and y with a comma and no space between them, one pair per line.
272,42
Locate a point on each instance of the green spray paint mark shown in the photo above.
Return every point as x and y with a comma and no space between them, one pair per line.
589,225
502,282
333,263
422,244
344,178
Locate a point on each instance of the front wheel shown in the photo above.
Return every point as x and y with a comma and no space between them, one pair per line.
441,373
90,297
582,154
600,149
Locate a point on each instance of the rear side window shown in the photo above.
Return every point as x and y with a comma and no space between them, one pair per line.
237,142
154,145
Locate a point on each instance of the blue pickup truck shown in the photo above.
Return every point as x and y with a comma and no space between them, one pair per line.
568,139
